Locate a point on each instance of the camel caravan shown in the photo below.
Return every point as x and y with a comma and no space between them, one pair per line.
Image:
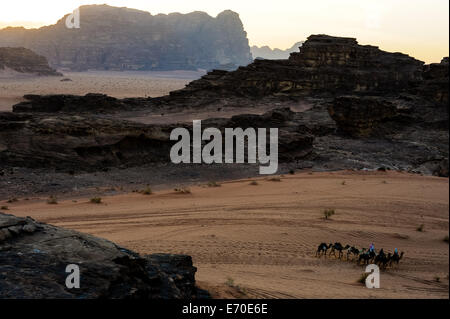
362,257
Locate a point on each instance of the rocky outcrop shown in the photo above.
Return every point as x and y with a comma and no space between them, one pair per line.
80,142
111,38
87,142
92,102
34,257
25,61
325,65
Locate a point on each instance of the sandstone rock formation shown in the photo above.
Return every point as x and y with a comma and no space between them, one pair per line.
111,38
25,61
80,142
87,142
325,65
370,108
34,257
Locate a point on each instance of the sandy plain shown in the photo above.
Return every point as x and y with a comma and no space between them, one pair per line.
259,241
13,85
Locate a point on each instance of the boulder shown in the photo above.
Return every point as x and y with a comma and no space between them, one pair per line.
33,265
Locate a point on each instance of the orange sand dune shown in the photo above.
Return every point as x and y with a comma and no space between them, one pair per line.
263,237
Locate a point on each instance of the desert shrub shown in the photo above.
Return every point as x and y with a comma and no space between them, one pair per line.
4,208
362,278
446,239
421,228
96,200
327,213
213,184
230,282
52,200
146,191
253,183
12,200
275,179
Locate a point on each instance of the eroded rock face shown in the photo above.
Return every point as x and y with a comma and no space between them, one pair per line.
112,38
84,142
25,61
359,116
436,82
34,257
87,142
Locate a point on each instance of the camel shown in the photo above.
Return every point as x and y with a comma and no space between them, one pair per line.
396,258
322,249
366,257
385,261
382,260
338,247
363,256
352,250
380,257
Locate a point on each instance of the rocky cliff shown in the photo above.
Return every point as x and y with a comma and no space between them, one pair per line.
34,257
111,38
325,65
25,61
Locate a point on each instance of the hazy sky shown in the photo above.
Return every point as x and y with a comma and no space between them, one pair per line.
417,27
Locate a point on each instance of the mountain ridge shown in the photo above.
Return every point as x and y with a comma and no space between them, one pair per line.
113,38
266,52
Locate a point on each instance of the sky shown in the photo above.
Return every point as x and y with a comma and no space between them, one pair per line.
419,28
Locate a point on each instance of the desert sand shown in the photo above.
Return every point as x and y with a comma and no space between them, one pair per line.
259,241
13,86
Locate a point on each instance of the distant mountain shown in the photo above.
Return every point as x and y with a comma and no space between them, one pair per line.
112,38
22,60
266,52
